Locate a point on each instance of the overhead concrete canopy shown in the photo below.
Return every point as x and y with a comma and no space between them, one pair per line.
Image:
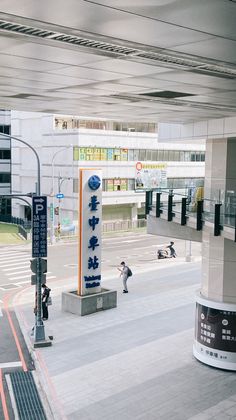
149,60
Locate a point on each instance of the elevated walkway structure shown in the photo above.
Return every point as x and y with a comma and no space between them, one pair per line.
212,219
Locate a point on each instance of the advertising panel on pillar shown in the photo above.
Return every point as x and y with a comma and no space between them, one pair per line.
90,231
215,333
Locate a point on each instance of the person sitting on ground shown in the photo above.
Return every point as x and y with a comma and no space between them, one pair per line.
172,250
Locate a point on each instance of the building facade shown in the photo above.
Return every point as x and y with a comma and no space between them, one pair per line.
5,165
66,144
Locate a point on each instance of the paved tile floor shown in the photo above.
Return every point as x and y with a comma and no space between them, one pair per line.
135,361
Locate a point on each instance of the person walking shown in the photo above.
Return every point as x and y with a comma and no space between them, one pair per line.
124,274
172,250
45,295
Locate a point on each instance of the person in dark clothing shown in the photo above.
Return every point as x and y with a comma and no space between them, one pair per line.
45,295
172,250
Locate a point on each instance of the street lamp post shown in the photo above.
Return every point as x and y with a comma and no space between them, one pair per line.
60,182
39,332
52,233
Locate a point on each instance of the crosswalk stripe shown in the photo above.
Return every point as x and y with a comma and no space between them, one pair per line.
5,259
21,266
18,272
21,282
16,263
11,253
51,277
23,277
10,365
19,277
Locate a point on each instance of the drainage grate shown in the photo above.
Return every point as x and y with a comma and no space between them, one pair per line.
27,399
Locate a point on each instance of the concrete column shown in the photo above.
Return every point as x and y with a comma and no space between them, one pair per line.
215,335
134,212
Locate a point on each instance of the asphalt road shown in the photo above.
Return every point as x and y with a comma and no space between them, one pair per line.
137,249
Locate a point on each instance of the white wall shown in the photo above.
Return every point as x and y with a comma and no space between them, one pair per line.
37,129
214,128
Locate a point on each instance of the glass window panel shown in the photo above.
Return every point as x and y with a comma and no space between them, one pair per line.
148,155
176,155
123,184
160,155
75,153
165,155
198,156
110,185
103,153
131,154
136,155
202,157
193,156
142,154
5,178
171,155
181,156
124,154
131,184
110,154
187,156
154,156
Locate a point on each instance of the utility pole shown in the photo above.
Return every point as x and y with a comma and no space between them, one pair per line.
39,332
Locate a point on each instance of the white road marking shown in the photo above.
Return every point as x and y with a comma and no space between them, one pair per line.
24,276
21,266
21,282
12,264
10,364
27,281
11,253
5,259
19,277
6,288
18,272
130,240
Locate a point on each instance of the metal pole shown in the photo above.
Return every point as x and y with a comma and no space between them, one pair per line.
52,234
39,333
36,155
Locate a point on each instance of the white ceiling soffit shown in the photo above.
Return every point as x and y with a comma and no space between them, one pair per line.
124,49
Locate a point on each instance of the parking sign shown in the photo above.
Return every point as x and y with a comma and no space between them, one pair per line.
39,227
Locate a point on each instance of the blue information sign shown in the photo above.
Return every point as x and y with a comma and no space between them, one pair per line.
60,195
39,227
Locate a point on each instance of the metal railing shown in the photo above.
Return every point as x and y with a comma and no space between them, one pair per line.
15,221
170,203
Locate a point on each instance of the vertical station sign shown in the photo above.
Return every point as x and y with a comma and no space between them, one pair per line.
90,231
39,227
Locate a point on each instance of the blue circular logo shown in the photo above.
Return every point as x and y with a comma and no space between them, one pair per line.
94,182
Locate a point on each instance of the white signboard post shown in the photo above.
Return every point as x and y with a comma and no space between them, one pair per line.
90,231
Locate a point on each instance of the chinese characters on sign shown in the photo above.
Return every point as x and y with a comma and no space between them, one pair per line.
90,232
39,227
150,175
216,331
